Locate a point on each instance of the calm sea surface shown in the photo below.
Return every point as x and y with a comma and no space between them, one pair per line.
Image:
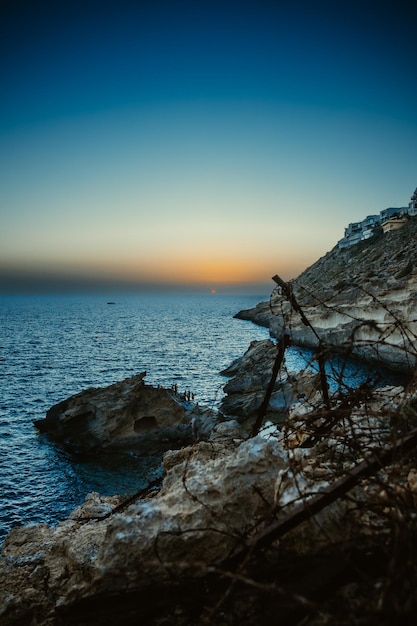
52,347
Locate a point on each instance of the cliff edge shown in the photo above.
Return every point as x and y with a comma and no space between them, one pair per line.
360,300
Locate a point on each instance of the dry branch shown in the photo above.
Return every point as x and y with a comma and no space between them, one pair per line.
307,509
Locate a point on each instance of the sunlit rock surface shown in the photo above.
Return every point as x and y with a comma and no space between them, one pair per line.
210,496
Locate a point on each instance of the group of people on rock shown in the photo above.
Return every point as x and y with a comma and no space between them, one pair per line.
186,396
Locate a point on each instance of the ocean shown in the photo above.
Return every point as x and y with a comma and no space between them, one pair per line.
52,347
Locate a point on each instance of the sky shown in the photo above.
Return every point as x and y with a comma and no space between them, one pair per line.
203,145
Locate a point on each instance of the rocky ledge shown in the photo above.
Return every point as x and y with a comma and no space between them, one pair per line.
131,416
360,300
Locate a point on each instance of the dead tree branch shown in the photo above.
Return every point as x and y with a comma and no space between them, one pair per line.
307,509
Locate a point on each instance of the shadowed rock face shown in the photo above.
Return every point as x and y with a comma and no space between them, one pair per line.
249,377
362,299
128,415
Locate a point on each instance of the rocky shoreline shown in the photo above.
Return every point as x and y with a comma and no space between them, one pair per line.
309,517
359,300
218,496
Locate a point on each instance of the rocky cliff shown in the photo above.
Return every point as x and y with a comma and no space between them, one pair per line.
361,299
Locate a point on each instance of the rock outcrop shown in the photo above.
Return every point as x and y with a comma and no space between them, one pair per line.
208,499
250,376
126,416
361,299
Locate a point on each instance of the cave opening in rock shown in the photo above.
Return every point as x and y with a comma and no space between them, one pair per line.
144,424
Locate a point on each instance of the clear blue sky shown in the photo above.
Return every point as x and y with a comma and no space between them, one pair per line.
200,142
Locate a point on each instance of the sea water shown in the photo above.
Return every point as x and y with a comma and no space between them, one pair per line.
52,347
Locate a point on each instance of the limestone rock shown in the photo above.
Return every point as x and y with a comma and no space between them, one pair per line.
128,415
207,500
211,494
361,299
95,506
260,314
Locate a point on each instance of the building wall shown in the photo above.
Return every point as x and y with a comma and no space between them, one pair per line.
357,231
393,224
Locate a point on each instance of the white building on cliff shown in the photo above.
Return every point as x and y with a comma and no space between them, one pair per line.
412,207
390,219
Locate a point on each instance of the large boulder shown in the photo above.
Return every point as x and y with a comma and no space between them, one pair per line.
126,416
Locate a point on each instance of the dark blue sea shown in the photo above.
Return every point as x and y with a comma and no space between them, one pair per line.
52,347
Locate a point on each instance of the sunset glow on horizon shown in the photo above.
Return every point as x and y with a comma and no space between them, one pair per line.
199,143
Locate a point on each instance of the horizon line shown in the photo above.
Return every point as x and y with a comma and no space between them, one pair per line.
26,282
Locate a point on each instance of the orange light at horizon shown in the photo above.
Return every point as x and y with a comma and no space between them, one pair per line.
208,271
188,267
198,270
